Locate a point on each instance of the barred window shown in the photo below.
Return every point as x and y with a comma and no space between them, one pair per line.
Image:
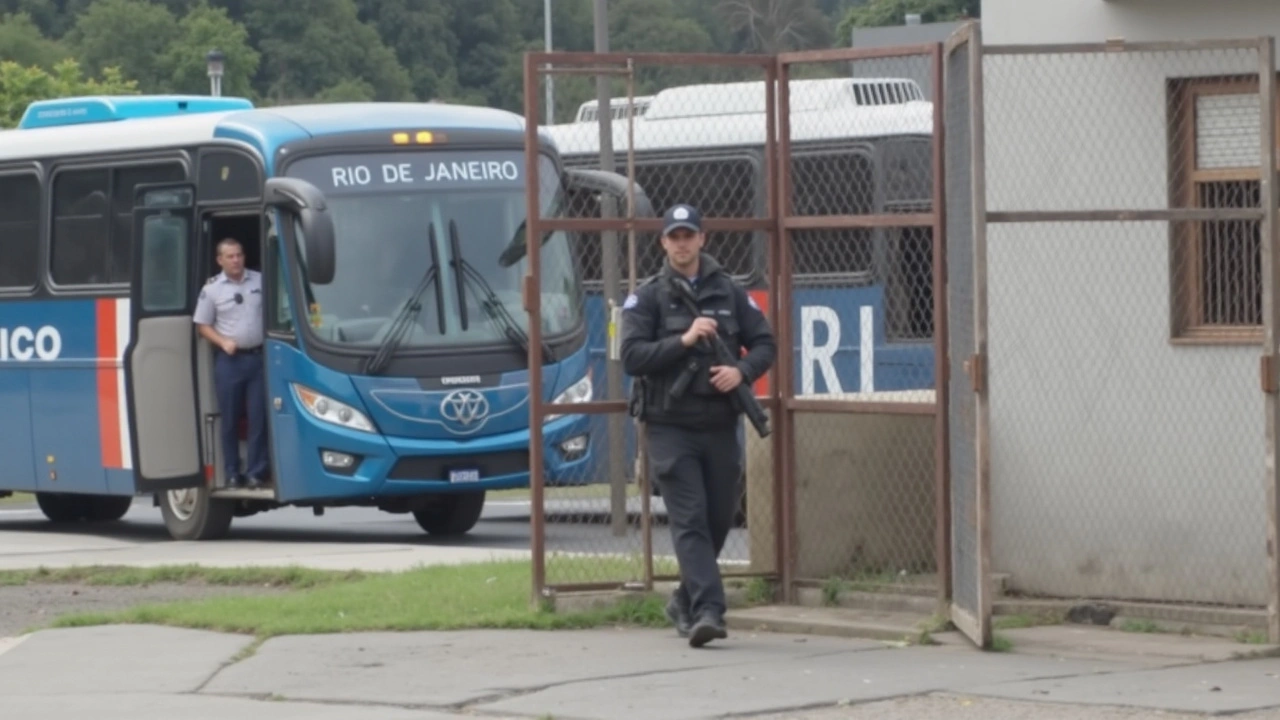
1217,264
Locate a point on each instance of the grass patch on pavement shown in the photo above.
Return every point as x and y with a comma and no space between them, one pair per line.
482,595
18,498
123,576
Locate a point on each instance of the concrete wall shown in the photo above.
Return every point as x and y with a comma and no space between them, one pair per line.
1122,465
1059,21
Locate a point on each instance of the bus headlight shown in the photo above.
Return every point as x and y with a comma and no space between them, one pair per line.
578,392
323,407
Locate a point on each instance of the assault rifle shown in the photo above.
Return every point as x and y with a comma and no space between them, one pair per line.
744,400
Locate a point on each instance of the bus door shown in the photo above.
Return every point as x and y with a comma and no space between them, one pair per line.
160,368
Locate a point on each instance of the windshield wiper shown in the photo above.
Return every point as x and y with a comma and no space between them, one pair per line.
376,363
489,300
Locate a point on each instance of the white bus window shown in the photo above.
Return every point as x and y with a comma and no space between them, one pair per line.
19,230
93,221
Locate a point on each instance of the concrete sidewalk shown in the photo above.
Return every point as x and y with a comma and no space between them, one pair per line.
1057,673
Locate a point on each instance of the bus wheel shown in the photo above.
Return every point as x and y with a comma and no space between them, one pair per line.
107,508
68,507
190,514
62,507
451,514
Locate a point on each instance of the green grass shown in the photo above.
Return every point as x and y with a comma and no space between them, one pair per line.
1015,622
1251,637
483,595
18,498
122,576
1140,625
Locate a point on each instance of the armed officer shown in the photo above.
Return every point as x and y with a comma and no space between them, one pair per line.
229,315
692,422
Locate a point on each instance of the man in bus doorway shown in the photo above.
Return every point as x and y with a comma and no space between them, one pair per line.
691,423
229,315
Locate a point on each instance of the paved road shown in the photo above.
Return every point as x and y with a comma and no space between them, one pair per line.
26,538
616,674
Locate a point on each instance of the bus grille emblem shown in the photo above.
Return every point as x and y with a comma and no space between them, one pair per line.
464,407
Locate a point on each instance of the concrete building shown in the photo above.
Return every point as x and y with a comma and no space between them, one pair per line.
1127,424
909,33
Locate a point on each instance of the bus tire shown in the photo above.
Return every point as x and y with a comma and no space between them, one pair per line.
451,514
190,514
75,507
107,508
62,507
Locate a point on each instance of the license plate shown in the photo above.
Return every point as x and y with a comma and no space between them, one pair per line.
469,475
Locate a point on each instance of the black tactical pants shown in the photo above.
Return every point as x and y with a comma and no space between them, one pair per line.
699,474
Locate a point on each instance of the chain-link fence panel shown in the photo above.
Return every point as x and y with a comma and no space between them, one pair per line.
1126,287
860,164
684,129
969,554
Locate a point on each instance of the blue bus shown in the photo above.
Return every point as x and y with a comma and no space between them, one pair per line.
862,310
396,354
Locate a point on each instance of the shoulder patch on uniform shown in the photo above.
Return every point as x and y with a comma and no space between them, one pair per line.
211,280
630,302
204,294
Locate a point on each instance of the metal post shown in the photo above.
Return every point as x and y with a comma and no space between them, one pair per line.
533,305
1270,196
941,364
611,272
549,78
214,65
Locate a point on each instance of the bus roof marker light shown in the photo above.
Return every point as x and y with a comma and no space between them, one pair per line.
400,138
425,137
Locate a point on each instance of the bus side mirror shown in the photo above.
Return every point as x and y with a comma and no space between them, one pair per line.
613,184
306,202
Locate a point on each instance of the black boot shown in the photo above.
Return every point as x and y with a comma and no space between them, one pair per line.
678,613
710,626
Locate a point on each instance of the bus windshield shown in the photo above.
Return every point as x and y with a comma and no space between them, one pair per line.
400,222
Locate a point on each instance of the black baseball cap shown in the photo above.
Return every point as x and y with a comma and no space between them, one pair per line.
681,216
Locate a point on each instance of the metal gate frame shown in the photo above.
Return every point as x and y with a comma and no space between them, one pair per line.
935,219
778,224
968,448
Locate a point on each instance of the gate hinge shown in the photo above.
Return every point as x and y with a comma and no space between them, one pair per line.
1267,372
976,369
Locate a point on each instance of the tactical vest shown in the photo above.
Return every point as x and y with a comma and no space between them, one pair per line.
701,405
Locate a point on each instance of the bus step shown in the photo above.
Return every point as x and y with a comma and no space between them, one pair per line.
244,494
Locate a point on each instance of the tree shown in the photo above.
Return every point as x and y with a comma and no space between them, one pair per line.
22,85
201,30
315,45
21,41
132,35
420,32
774,26
878,13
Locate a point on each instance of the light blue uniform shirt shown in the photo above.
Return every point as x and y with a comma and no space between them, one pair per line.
239,321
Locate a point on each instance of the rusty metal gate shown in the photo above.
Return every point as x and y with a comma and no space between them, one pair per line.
832,219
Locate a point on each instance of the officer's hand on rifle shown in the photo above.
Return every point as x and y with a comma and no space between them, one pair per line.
725,378
702,327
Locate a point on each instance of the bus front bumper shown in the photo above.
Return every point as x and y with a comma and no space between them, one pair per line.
334,462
